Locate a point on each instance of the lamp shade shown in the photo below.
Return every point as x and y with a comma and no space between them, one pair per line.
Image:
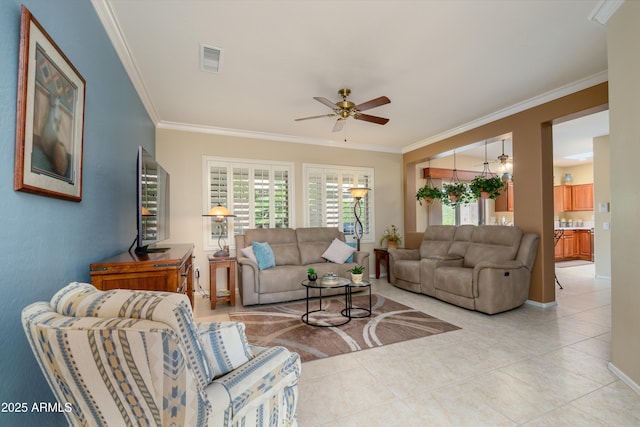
359,192
145,211
220,212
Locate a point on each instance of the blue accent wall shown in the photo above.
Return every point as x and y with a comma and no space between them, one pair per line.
45,242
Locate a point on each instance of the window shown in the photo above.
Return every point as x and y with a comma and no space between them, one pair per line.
257,193
328,202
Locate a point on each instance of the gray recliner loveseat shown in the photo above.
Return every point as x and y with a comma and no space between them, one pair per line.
485,268
295,251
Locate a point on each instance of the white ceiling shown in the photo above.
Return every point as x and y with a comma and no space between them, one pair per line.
446,65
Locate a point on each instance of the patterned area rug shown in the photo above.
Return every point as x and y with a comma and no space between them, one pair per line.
390,322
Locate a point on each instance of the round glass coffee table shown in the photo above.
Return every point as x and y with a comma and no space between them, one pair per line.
319,286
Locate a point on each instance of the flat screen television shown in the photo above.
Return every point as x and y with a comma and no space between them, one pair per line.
152,204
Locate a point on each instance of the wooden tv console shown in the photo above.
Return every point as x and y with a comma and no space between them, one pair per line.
168,271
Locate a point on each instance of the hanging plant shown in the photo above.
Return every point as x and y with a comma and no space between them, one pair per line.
428,194
487,187
458,192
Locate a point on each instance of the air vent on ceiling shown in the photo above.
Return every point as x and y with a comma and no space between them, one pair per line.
210,58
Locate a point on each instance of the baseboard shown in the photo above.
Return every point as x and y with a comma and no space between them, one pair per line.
541,304
598,276
624,378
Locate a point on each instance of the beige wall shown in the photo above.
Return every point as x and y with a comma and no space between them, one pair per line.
181,154
623,33
602,196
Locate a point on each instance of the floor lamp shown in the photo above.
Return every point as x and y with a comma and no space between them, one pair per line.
358,193
221,213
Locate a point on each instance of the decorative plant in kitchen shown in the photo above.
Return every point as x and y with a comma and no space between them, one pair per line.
392,236
487,186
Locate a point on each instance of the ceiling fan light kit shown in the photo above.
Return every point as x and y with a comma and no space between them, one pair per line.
345,109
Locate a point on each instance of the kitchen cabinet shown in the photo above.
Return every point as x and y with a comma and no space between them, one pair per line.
582,197
584,240
568,198
574,244
504,202
562,198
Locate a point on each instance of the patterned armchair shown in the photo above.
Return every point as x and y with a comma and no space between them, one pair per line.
138,358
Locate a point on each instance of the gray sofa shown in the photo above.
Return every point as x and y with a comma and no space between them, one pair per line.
295,250
485,268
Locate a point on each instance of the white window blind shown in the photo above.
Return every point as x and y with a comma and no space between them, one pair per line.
257,193
328,202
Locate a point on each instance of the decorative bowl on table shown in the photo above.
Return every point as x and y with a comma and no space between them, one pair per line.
330,279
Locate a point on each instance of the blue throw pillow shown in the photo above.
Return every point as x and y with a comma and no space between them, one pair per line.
353,245
264,255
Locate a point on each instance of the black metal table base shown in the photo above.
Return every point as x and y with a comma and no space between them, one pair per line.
305,316
348,311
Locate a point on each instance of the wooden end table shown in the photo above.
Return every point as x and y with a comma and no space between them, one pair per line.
230,264
382,255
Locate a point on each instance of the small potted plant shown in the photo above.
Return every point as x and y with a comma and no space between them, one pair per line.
486,186
458,193
392,236
356,273
312,275
429,194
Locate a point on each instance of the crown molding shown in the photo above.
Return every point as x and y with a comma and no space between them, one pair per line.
576,86
604,10
111,26
238,133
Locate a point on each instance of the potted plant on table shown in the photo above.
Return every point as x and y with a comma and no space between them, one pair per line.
392,236
356,273
312,275
486,186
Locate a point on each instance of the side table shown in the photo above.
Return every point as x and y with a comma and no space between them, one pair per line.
382,255
228,295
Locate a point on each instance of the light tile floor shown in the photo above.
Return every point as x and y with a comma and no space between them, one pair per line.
526,367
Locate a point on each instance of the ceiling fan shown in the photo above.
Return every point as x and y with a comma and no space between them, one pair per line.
345,109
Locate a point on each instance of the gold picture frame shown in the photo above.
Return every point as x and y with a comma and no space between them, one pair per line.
50,117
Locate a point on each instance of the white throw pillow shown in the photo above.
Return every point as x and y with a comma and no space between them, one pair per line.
248,252
338,252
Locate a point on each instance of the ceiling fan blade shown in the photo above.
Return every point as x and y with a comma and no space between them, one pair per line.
372,119
314,117
326,102
373,103
339,124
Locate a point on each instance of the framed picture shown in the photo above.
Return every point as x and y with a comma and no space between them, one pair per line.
50,117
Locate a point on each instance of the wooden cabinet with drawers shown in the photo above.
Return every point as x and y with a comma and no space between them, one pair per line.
168,271
575,244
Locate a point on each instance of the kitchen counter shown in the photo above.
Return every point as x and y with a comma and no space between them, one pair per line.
573,228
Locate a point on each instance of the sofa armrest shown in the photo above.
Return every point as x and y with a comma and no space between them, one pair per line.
500,286
362,258
269,380
398,254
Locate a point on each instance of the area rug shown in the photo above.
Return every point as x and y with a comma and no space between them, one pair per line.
390,322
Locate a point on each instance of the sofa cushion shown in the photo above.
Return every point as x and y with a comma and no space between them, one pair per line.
338,252
282,241
496,243
226,345
314,241
248,252
436,240
264,255
455,280
461,240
